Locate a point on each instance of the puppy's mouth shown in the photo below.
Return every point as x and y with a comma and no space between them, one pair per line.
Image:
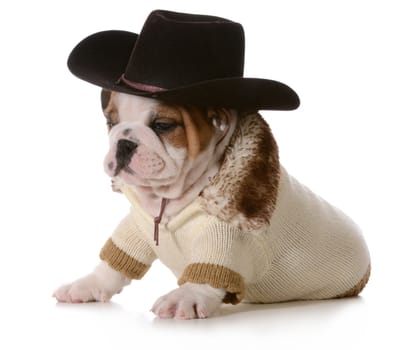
134,162
124,153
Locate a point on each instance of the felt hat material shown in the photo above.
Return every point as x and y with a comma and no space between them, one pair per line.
179,58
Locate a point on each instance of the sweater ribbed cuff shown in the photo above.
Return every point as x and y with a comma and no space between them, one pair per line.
218,277
120,261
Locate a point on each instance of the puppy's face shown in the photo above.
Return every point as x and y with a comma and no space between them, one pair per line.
158,145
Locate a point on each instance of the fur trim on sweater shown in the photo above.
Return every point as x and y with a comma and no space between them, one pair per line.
244,191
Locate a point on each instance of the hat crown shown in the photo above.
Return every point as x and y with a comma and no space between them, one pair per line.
177,49
179,58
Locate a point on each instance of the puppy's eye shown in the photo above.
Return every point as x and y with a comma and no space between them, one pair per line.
163,125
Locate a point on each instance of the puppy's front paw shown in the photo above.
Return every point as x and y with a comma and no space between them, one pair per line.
189,301
100,285
83,290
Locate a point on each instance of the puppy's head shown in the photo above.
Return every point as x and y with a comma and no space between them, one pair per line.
162,146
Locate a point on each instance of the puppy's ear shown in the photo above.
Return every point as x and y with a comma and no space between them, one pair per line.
197,129
109,108
244,191
105,98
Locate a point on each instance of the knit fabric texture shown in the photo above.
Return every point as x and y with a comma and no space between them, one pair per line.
310,249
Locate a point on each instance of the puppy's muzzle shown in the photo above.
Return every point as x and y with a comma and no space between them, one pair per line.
124,151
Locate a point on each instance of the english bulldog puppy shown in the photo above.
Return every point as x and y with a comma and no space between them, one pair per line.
162,151
212,202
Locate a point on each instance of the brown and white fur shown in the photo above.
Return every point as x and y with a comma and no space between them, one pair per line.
177,150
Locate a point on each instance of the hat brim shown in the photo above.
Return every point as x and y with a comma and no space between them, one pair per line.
101,59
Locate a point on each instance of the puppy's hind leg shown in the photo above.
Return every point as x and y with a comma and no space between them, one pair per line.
100,285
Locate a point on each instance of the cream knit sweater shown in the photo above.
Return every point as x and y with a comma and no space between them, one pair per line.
310,250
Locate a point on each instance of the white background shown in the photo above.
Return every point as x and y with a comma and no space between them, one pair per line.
57,208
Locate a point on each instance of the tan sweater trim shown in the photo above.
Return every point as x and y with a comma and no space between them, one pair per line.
218,277
120,261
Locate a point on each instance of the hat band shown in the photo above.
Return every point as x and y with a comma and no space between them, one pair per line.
139,86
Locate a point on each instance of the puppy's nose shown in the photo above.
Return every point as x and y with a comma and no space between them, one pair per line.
124,152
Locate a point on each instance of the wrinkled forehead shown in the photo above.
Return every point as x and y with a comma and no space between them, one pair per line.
133,108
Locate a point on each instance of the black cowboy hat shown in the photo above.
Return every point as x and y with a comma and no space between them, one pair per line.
180,58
